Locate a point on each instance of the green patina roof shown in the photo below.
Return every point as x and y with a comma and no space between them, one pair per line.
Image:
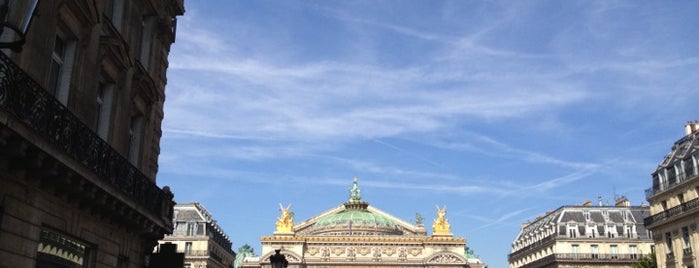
357,214
357,217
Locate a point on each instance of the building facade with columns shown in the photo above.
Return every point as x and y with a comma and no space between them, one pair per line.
674,203
584,236
355,234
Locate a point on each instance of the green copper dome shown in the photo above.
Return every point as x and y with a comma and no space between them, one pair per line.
358,218
355,219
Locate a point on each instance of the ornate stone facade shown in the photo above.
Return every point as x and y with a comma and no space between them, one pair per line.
356,234
80,110
674,203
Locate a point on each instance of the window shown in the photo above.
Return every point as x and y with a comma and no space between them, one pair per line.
685,238
104,110
595,251
147,24
613,251
115,11
60,68
56,250
572,231
610,230
590,230
135,135
587,215
664,204
188,248
632,252
668,241
629,230
680,198
575,250
191,228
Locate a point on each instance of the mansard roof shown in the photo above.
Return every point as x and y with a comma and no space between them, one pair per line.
598,216
683,149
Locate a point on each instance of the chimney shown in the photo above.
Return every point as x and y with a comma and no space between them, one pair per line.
622,202
691,127
599,201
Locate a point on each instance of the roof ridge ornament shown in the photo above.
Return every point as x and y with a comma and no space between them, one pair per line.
355,200
355,192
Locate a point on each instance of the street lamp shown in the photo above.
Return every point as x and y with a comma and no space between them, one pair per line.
278,260
15,17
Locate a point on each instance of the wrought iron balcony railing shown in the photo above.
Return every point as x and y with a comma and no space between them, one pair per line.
672,212
28,102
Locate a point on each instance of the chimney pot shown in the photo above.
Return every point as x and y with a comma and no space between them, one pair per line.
691,127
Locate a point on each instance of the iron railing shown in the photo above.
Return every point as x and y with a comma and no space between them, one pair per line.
25,99
672,212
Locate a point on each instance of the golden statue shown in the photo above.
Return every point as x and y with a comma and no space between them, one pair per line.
441,225
285,222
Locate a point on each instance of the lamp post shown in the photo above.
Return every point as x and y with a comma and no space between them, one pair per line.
278,260
15,17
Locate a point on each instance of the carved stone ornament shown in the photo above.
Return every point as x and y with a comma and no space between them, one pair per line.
364,251
389,251
313,251
415,251
292,258
444,258
338,251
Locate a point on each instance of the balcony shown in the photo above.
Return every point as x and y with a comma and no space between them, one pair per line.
583,258
672,212
61,152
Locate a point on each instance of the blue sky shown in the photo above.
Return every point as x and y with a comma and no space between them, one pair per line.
500,110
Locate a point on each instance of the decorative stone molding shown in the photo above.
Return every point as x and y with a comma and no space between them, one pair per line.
389,251
313,251
445,258
415,251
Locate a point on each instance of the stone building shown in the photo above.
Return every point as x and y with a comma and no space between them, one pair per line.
355,234
584,236
81,103
674,203
200,238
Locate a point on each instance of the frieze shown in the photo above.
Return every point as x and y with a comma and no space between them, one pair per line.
444,258
402,254
364,251
389,251
350,253
313,251
292,258
376,254
415,251
338,251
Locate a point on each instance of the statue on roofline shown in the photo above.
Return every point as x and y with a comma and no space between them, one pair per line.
285,222
441,225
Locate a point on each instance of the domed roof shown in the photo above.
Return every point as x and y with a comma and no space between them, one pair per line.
355,219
